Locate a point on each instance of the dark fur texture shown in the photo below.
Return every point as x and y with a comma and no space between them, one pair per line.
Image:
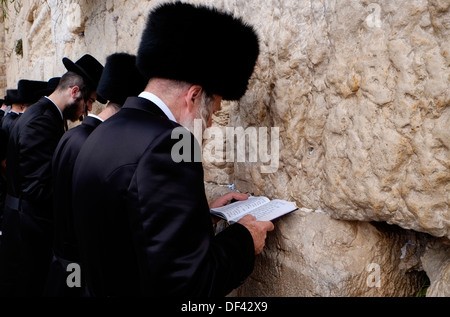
120,78
28,90
199,45
25,92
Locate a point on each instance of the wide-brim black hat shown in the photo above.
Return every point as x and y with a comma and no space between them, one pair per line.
120,78
6,100
12,97
199,45
27,90
49,88
87,67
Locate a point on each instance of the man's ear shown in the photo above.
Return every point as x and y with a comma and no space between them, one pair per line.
192,96
74,92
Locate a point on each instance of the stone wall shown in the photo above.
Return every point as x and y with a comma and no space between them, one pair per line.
359,93
2,60
362,102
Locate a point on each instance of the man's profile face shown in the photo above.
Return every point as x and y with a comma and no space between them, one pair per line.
90,101
201,112
75,109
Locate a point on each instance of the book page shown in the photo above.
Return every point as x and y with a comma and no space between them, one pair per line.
238,209
273,209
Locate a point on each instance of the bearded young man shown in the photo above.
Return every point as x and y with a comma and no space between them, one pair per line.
26,249
142,219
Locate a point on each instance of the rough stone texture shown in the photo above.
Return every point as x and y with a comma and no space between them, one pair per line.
436,262
311,254
329,257
53,29
362,102
360,93
2,61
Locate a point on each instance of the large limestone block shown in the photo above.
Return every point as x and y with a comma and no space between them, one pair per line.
311,254
359,91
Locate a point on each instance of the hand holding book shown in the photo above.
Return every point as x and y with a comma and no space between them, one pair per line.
254,213
261,207
258,230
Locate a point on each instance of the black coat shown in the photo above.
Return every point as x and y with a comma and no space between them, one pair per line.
9,120
28,236
143,221
3,191
65,247
62,168
32,142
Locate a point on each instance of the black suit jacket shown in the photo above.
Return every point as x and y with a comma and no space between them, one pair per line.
8,121
32,143
143,221
27,242
3,191
62,167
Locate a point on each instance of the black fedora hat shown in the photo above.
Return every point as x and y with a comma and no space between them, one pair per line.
120,78
88,67
49,88
222,61
52,83
12,96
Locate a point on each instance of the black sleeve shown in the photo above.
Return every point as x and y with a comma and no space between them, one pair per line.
174,238
37,146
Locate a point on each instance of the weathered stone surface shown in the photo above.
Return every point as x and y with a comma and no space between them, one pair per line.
362,102
311,254
436,262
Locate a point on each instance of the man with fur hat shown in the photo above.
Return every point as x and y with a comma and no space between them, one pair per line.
120,79
142,220
26,249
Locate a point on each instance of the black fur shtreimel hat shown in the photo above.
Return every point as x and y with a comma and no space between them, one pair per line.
199,45
25,92
120,78
49,88
28,88
12,95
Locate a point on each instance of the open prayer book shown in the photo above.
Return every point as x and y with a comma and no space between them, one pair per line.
261,207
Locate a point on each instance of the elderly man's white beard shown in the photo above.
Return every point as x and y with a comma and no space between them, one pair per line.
193,124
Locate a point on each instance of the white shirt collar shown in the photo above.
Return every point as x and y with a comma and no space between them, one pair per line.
96,117
62,117
155,99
